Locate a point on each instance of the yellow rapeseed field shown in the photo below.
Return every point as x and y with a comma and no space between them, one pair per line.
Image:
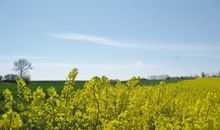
185,105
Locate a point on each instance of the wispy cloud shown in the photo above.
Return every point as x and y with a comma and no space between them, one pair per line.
91,39
27,57
149,46
138,64
86,71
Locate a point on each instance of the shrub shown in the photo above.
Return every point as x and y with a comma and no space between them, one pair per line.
1,78
10,77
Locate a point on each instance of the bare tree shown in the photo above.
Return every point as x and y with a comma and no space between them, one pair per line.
22,66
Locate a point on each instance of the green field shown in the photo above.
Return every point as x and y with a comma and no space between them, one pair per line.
58,85
44,84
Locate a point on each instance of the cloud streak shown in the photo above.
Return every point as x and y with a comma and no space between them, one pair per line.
148,46
138,64
92,39
27,57
86,71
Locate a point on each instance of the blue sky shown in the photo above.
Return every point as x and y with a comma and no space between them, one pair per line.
117,38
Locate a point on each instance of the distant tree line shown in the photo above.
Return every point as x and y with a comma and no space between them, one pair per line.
167,77
210,75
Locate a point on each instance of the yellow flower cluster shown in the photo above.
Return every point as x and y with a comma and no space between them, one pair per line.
189,104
